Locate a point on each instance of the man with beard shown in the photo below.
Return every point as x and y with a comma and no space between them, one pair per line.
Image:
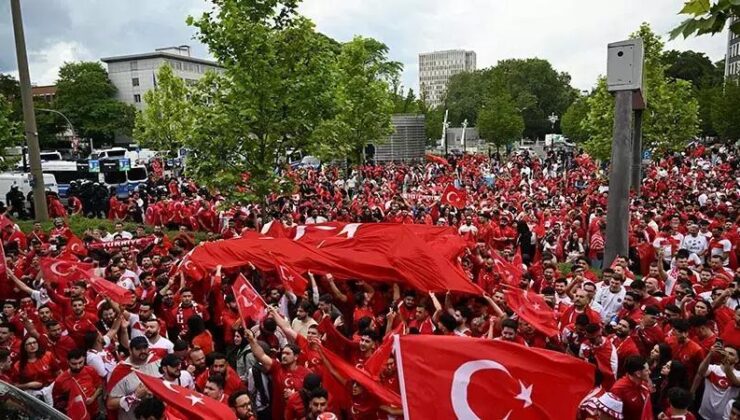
624,342
241,404
197,363
80,376
286,374
302,322
138,321
173,374
630,309
217,365
125,390
158,344
80,322
186,309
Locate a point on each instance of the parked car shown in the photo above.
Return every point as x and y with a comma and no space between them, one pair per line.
17,405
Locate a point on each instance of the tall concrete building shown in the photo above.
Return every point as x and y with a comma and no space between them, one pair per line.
133,75
732,59
436,68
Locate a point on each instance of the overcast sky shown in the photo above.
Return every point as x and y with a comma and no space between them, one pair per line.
572,34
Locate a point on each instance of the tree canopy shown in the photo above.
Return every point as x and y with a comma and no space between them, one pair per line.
707,17
535,87
167,119
87,97
284,87
572,121
499,121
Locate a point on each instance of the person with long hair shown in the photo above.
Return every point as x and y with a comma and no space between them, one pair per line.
672,374
660,354
37,368
199,336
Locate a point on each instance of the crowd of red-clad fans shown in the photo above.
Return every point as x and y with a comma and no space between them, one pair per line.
84,316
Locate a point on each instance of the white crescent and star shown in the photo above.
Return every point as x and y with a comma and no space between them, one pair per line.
56,271
194,399
169,386
461,380
449,196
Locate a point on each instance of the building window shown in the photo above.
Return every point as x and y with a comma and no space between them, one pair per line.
137,98
135,81
134,65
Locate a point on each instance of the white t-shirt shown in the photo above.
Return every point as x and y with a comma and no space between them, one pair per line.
695,244
162,343
128,385
610,302
185,380
315,220
718,392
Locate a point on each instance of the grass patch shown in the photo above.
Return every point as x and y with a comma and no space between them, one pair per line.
79,225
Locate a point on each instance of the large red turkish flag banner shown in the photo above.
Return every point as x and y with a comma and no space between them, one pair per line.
290,278
373,252
449,377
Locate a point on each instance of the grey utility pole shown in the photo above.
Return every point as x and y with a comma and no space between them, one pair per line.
624,77
637,153
32,139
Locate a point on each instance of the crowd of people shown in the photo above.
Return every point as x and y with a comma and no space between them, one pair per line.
661,324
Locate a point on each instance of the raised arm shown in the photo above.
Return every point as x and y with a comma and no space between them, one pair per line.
257,350
702,371
18,283
283,324
334,289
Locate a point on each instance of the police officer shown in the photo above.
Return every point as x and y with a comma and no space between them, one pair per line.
15,199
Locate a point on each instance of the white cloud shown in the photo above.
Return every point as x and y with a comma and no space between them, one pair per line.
44,64
572,34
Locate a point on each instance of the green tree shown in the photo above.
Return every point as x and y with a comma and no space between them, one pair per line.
49,125
499,121
694,67
11,130
363,101
167,119
724,112
464,97
87,97
434,118
671,118
707,17
537,89
277,86
572,121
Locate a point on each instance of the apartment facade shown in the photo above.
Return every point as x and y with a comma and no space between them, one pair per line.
134,75
436,68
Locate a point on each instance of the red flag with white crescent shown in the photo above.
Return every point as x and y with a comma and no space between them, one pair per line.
250,303
454,196
533,309
195,404
292,280
449,377
76,408
64,271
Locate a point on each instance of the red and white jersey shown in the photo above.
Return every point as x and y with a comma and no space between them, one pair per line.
718,392
161,347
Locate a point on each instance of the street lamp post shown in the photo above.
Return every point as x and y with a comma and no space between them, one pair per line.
32,139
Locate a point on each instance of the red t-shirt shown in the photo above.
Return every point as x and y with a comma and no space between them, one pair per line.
283,379
88,381
44,370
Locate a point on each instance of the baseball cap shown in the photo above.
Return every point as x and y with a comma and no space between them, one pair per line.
139,342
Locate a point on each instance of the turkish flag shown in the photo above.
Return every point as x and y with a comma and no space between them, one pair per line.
454,197
5,221
291,279
109,289
76,246
250,303
375,363
372,386
192,270
197,405
533,309
447,377
63,271
76,408
416,255
511,273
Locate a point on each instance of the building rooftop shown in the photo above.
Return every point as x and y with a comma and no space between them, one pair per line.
159,54
447,51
